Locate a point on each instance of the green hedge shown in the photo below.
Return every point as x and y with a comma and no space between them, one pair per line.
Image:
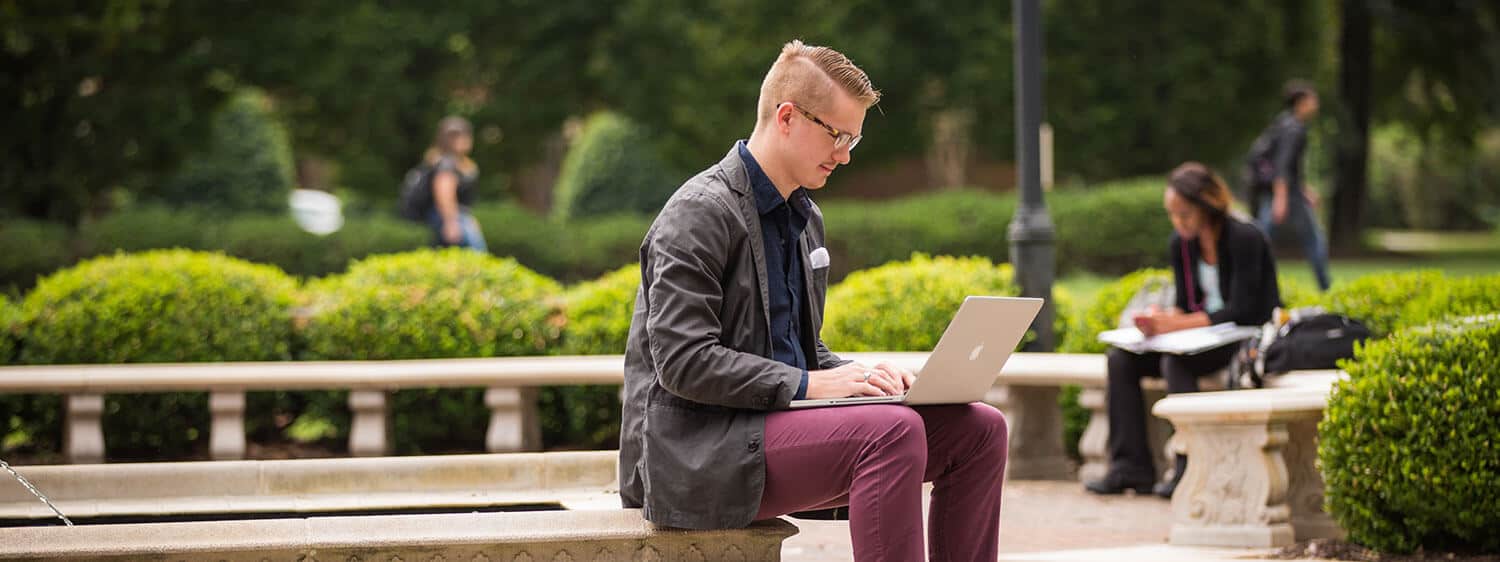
10,321
164,306
29,250
1407,445
905,306
1381,301
613,167
599,315
432,304
276,239
1111,228
572,252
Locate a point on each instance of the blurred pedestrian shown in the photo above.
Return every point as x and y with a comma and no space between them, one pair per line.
452,176
1278,188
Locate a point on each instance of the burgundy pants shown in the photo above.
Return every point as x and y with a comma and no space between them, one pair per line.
874,458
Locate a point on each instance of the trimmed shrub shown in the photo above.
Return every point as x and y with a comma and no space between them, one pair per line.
1379,301
433,304
276,239
613,167
905,306
247,165
28,250
10,321
599,314
864,235
577,251
1111,228
164,306
147,227
1104,312
1454,296
1407,445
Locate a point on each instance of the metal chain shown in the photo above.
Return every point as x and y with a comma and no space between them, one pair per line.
38,493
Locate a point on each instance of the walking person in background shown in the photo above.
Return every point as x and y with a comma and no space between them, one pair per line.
1276,162
452,177
1223,272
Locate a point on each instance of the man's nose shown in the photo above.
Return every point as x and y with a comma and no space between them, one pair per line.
843,155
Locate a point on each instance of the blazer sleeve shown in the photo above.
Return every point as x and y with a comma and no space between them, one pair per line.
1242,305
686,253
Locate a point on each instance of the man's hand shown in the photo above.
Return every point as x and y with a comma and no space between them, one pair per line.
1278,208
854,379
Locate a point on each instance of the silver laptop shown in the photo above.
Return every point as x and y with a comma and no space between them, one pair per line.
963,367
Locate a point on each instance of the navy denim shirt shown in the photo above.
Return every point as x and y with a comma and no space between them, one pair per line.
781,227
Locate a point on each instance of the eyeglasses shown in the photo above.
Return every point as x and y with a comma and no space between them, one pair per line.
840,138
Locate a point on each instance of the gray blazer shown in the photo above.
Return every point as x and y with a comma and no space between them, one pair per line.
699,378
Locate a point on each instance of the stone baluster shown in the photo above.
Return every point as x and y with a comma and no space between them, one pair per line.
367,429
1035,423
513,420
226,435
83,432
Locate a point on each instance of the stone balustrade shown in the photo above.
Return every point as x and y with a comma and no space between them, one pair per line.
1252,478
1026,390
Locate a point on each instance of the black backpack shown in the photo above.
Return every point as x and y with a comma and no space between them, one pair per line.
1311,340
1260,167
416,194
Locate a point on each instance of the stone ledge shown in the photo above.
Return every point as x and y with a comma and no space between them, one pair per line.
312,484
586,535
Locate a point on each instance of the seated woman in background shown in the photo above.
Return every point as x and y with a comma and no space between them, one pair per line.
1224,272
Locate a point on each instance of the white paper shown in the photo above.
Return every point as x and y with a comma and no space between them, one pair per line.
1181,342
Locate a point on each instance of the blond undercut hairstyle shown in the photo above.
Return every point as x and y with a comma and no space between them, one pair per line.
806,75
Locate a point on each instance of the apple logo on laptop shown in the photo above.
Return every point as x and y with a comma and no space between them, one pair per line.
974,355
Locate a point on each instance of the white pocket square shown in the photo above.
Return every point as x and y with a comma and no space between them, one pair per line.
819,258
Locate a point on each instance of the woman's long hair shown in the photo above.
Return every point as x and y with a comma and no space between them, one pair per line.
449,130
1203,188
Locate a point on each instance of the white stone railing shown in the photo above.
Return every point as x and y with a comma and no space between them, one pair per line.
1026,390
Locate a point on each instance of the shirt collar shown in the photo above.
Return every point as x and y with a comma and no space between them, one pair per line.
767,197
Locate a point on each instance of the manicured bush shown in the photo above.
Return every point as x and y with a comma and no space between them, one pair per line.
276,239
1407,445
433,304
165,306
28,250
246,165
1379,300
1104,312
863,235
10,321
599,314
147,227
1454,296
613,167
905,306
576,251
1111,228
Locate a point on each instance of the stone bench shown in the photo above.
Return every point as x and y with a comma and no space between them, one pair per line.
1253,479
293,509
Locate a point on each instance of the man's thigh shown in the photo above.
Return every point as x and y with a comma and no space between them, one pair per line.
811,454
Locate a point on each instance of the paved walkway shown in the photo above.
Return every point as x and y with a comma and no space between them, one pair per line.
1049,521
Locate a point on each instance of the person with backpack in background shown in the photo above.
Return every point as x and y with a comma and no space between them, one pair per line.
440,190
1223,272
1274,174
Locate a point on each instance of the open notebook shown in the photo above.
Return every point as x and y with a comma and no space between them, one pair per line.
1182,342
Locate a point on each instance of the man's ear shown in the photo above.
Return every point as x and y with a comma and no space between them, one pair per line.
784,116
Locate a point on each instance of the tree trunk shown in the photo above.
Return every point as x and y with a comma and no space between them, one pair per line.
1351,158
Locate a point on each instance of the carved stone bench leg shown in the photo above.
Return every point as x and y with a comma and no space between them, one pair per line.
1035,423
1235,490
513,420
1305,484
226,435
367,428
83,432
